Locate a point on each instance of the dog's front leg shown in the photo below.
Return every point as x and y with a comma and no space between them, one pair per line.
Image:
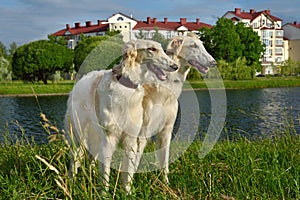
129,159
142,142
108,147
163,150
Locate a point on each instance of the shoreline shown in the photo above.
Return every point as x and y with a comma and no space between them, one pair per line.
33,95
186,89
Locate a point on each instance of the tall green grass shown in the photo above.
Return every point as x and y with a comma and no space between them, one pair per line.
264,168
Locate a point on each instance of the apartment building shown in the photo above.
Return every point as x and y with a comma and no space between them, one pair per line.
270,30
130,28
292,33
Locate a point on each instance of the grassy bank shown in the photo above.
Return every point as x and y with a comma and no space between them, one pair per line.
20,88
261,169
64,87
263,82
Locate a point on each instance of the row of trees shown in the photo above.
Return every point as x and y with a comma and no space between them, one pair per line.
39,60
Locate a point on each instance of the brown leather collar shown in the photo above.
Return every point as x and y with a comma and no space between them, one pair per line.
126,82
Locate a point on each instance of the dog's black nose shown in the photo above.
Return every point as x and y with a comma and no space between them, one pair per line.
213,63
174,67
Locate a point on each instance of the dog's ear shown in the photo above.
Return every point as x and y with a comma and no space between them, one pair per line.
193,35
174,47
129,54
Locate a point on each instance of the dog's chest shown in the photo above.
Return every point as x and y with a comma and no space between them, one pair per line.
121,107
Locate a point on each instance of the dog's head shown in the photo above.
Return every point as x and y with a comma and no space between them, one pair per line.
141,56
190,50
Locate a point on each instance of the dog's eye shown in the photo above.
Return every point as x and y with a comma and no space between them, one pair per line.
152,49
169,53
194,45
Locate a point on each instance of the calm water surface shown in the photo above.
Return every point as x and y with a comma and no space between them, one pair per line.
253,112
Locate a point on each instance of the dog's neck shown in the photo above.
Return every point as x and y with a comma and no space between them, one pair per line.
123,80
126,82
184,68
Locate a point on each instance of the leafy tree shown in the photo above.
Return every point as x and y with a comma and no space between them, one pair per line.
236,47
290,67
3,52
12,48
158,37
95,53
222,41
114,33
5,64
58,40
236,70
5,73
38,60
252,46
140,35
228,41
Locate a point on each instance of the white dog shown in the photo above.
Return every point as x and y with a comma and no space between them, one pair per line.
105,108
160,100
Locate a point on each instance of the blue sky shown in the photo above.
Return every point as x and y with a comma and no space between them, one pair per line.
22,21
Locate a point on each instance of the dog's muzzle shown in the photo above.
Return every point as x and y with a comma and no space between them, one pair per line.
174,67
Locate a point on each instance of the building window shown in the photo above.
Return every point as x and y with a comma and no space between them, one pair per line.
169,34
279,33
278,59
277,25
271,34
265,34
270,43
266,42
279,42
270,52
278,50
269,25
120,19
255,25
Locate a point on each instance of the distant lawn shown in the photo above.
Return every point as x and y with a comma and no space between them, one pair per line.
20,88
64,87
262,82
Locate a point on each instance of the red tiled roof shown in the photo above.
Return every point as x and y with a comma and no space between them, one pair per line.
253,14
82,29
151,24
295,24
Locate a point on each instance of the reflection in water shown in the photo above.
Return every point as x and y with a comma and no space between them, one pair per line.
262,111
251,112
280,106
24,113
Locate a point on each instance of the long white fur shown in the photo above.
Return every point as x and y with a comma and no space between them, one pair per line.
160,100
102,112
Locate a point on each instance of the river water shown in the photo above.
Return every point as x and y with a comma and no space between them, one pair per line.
250,112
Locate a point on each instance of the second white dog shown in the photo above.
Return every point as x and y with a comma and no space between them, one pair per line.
160,101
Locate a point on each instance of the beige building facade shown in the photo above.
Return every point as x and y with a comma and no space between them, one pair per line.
269,29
